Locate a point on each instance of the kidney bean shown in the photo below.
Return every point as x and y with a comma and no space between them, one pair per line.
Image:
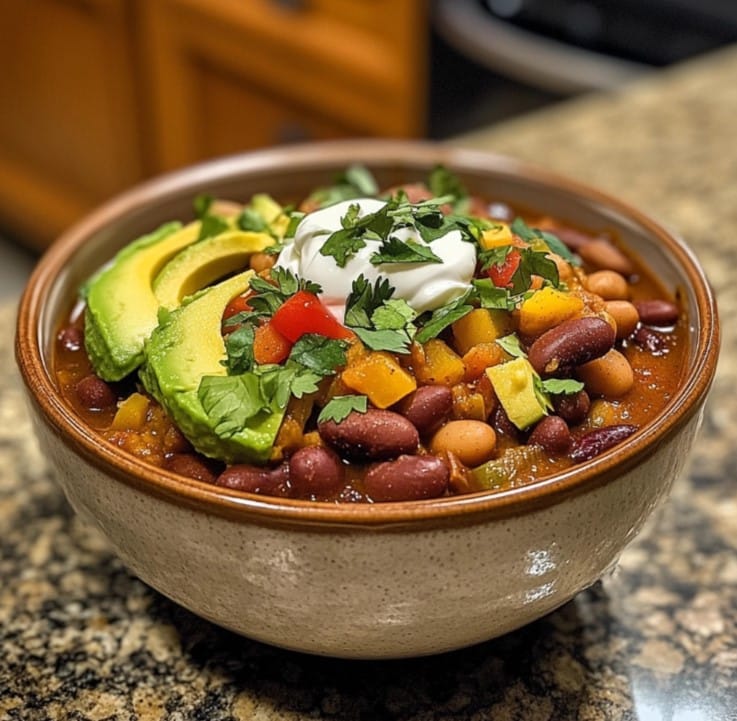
603,255
504,426
660,313
551,434
570,344
611,375
376,435
254,479
187,464
71,338
625,316
94,393
473,442
407,478
649,340
572,408
315,471
594,442
427,408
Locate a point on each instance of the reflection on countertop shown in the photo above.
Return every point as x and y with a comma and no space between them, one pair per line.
655,640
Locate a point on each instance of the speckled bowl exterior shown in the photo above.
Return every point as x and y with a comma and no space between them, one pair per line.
363,581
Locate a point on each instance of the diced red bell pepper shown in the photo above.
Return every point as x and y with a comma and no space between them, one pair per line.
304,313
501,274
239,304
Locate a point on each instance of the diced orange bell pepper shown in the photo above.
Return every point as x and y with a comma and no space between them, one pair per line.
269,345
436,362
379,376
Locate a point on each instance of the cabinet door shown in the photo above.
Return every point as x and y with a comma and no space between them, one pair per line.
69,128
229,75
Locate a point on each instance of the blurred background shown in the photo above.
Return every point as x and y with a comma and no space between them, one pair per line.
98,95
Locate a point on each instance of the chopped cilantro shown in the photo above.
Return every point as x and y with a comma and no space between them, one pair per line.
319,354
239,348
231,401
211,225
555,244
339,408
202,205
562,386
356,182
443,182
444,316
394,250
511,344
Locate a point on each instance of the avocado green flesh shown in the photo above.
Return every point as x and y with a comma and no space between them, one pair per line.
121,308
514,385
187,346
202,263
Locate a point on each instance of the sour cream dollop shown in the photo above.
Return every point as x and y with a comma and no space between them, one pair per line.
425,286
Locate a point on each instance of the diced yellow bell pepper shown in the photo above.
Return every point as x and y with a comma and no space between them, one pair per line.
131,414
379,376
480,326
436,362
500,234
546,308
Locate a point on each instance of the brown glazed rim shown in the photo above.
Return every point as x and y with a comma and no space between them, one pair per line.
248,508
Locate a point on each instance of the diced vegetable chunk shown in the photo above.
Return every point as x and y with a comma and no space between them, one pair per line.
514,384
547,308
379,376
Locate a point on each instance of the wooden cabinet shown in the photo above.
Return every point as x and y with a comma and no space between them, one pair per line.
70,128
99,94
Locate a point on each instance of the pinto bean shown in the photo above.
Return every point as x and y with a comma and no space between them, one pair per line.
611,375
94,393
609,284
594,442
407,478
572,408
315,471
191,466
473,442
254,479
570,344
660,313
551,434
625,316
427,408
601,254
376,435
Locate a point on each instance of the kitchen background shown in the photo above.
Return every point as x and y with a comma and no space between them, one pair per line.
99,94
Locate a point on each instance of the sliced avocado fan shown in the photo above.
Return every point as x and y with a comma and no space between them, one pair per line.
201,264
121,308
187,346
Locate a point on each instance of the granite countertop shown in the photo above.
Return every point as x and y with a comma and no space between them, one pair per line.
657,640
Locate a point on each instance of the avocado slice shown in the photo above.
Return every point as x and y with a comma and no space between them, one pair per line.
187,346
515,386
121,308
202,263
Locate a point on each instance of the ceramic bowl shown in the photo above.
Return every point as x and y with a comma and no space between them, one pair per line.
363,581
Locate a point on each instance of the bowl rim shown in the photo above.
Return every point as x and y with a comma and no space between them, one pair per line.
244,507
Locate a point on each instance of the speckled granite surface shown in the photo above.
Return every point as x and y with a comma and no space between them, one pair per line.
657,641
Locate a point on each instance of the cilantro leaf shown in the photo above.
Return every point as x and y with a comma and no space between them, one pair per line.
443,182
202,205
394,250
489,296
444,316
305,382
319,354
562,386
239,348
356,182
212,225
339,408
394,314
269,295
511,344
393,341
364,299
251,221
555,244
231,401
